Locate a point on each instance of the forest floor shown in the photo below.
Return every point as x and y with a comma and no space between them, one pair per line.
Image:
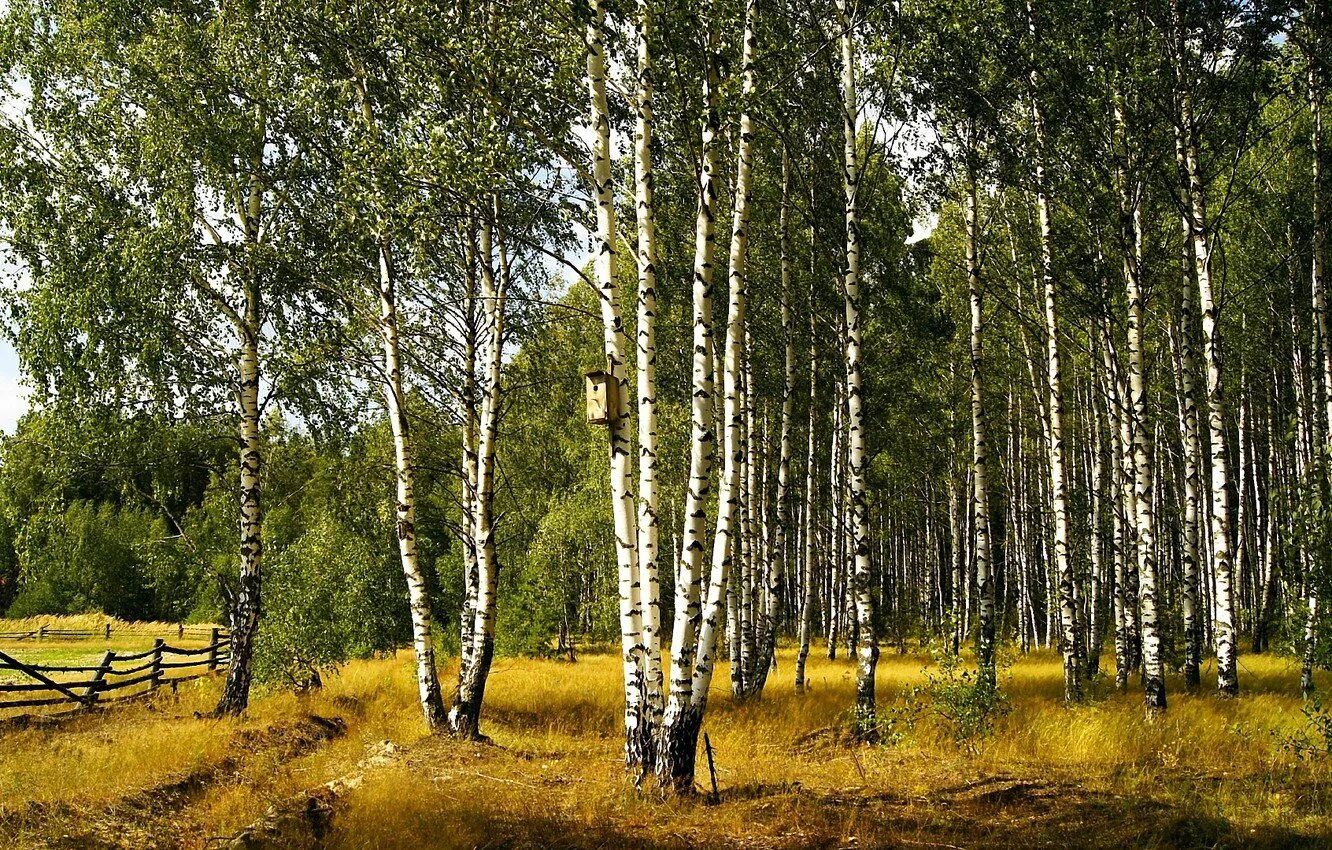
349,767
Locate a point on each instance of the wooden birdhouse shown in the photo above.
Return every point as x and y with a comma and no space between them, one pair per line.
600,393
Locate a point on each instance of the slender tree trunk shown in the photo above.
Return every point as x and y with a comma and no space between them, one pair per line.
1096,627
811,476
1145,519
636,722
1222,539
648,533
1153,668
471,426
245,614
1317,58
957,552
465,716
432,704
1185,369
862,579
1071,636
980,496
733,413
684,738
777,569
680,725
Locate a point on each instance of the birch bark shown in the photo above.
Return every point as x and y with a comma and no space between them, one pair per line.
245,614
980,449
732,406
1222,552
648,531
614,344
678,741
861,576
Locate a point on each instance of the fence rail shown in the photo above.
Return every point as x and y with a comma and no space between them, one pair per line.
119,675
181,632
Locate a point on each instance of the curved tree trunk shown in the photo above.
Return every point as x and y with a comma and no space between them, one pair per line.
678,739
395,403
427,681
465,716
732,407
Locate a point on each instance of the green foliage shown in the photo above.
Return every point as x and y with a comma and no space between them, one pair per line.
1314,740
964,703
89,557
328,599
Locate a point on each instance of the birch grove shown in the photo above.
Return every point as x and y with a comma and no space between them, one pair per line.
1020,355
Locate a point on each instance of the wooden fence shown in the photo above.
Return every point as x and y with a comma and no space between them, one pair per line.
119,676
181,632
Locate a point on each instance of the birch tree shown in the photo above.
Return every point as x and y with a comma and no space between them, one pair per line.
868,655
637,727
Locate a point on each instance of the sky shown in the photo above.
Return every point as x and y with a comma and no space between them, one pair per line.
13,395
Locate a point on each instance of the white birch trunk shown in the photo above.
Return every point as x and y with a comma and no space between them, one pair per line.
732,409
246,607
1323,344
1185,368
245,613
621,475
861,576
1222,551
427,681
1153,669
465,716
678,740
980,449
471,424
1071,638
777,563
650,583
811,477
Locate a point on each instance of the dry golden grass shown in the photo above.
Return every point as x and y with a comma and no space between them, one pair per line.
1210,772
94,622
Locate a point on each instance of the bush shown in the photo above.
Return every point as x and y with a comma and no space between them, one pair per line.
955,695
1315,739
327,598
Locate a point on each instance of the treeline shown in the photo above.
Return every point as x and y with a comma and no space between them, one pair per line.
994,322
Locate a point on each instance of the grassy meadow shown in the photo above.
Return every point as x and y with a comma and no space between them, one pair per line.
1209,773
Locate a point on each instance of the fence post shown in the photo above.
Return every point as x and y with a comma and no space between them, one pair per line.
158,643
180,631
108,631
100,676
41,633
212,650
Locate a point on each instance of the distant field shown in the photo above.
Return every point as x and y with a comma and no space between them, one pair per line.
81,642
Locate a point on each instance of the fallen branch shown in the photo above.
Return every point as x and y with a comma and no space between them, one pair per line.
309,810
